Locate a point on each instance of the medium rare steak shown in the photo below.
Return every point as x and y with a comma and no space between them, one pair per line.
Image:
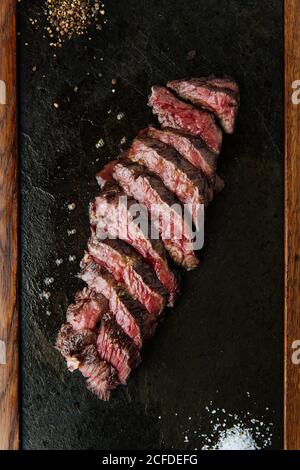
178,175
139,217
127,266
79,349
165,209
87,310
226,82
172,112
115,347
101,377
191,148
130,314
107,218
220,101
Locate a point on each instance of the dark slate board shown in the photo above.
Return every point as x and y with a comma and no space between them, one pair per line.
223,341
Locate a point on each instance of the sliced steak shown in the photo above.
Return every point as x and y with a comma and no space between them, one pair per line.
101,377
127,266
107,215
106,174
226,82
172,112
115,347
87,310
191,148
178,175
130,314
165,209
220,101
79,349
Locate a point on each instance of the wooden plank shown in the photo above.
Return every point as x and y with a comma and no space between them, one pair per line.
292,226
9,322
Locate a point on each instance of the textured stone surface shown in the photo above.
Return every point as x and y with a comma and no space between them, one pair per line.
224,338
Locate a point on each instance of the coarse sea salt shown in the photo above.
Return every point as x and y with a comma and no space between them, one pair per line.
236,438
232,432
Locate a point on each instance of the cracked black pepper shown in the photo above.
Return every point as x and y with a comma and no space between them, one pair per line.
69,18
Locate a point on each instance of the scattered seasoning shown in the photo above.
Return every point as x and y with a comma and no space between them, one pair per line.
56,105
236,438
100,144
71,206
68,18
120,116
58,262
48,281
48,313
72,231
232,432
123,140
45,295
114,80
72,258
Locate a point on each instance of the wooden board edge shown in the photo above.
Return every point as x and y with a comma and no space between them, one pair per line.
292,226
9,312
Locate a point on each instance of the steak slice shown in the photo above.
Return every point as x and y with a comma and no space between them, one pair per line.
172,112
164,207
226,82
193,149
107,215
129,313
178,175
127,266
79,349
219,100
87,310
115,347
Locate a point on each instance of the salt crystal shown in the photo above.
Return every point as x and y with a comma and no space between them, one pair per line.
120,116
236,438
71,206
100,144
45,295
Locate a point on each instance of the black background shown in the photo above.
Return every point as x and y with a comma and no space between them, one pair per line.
221,346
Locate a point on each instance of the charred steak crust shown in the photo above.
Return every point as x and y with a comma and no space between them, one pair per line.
79,350
193,149
172,112
178,175
105,221
101,377
149,190
127,266
129,313
219,100
115,347
87,310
